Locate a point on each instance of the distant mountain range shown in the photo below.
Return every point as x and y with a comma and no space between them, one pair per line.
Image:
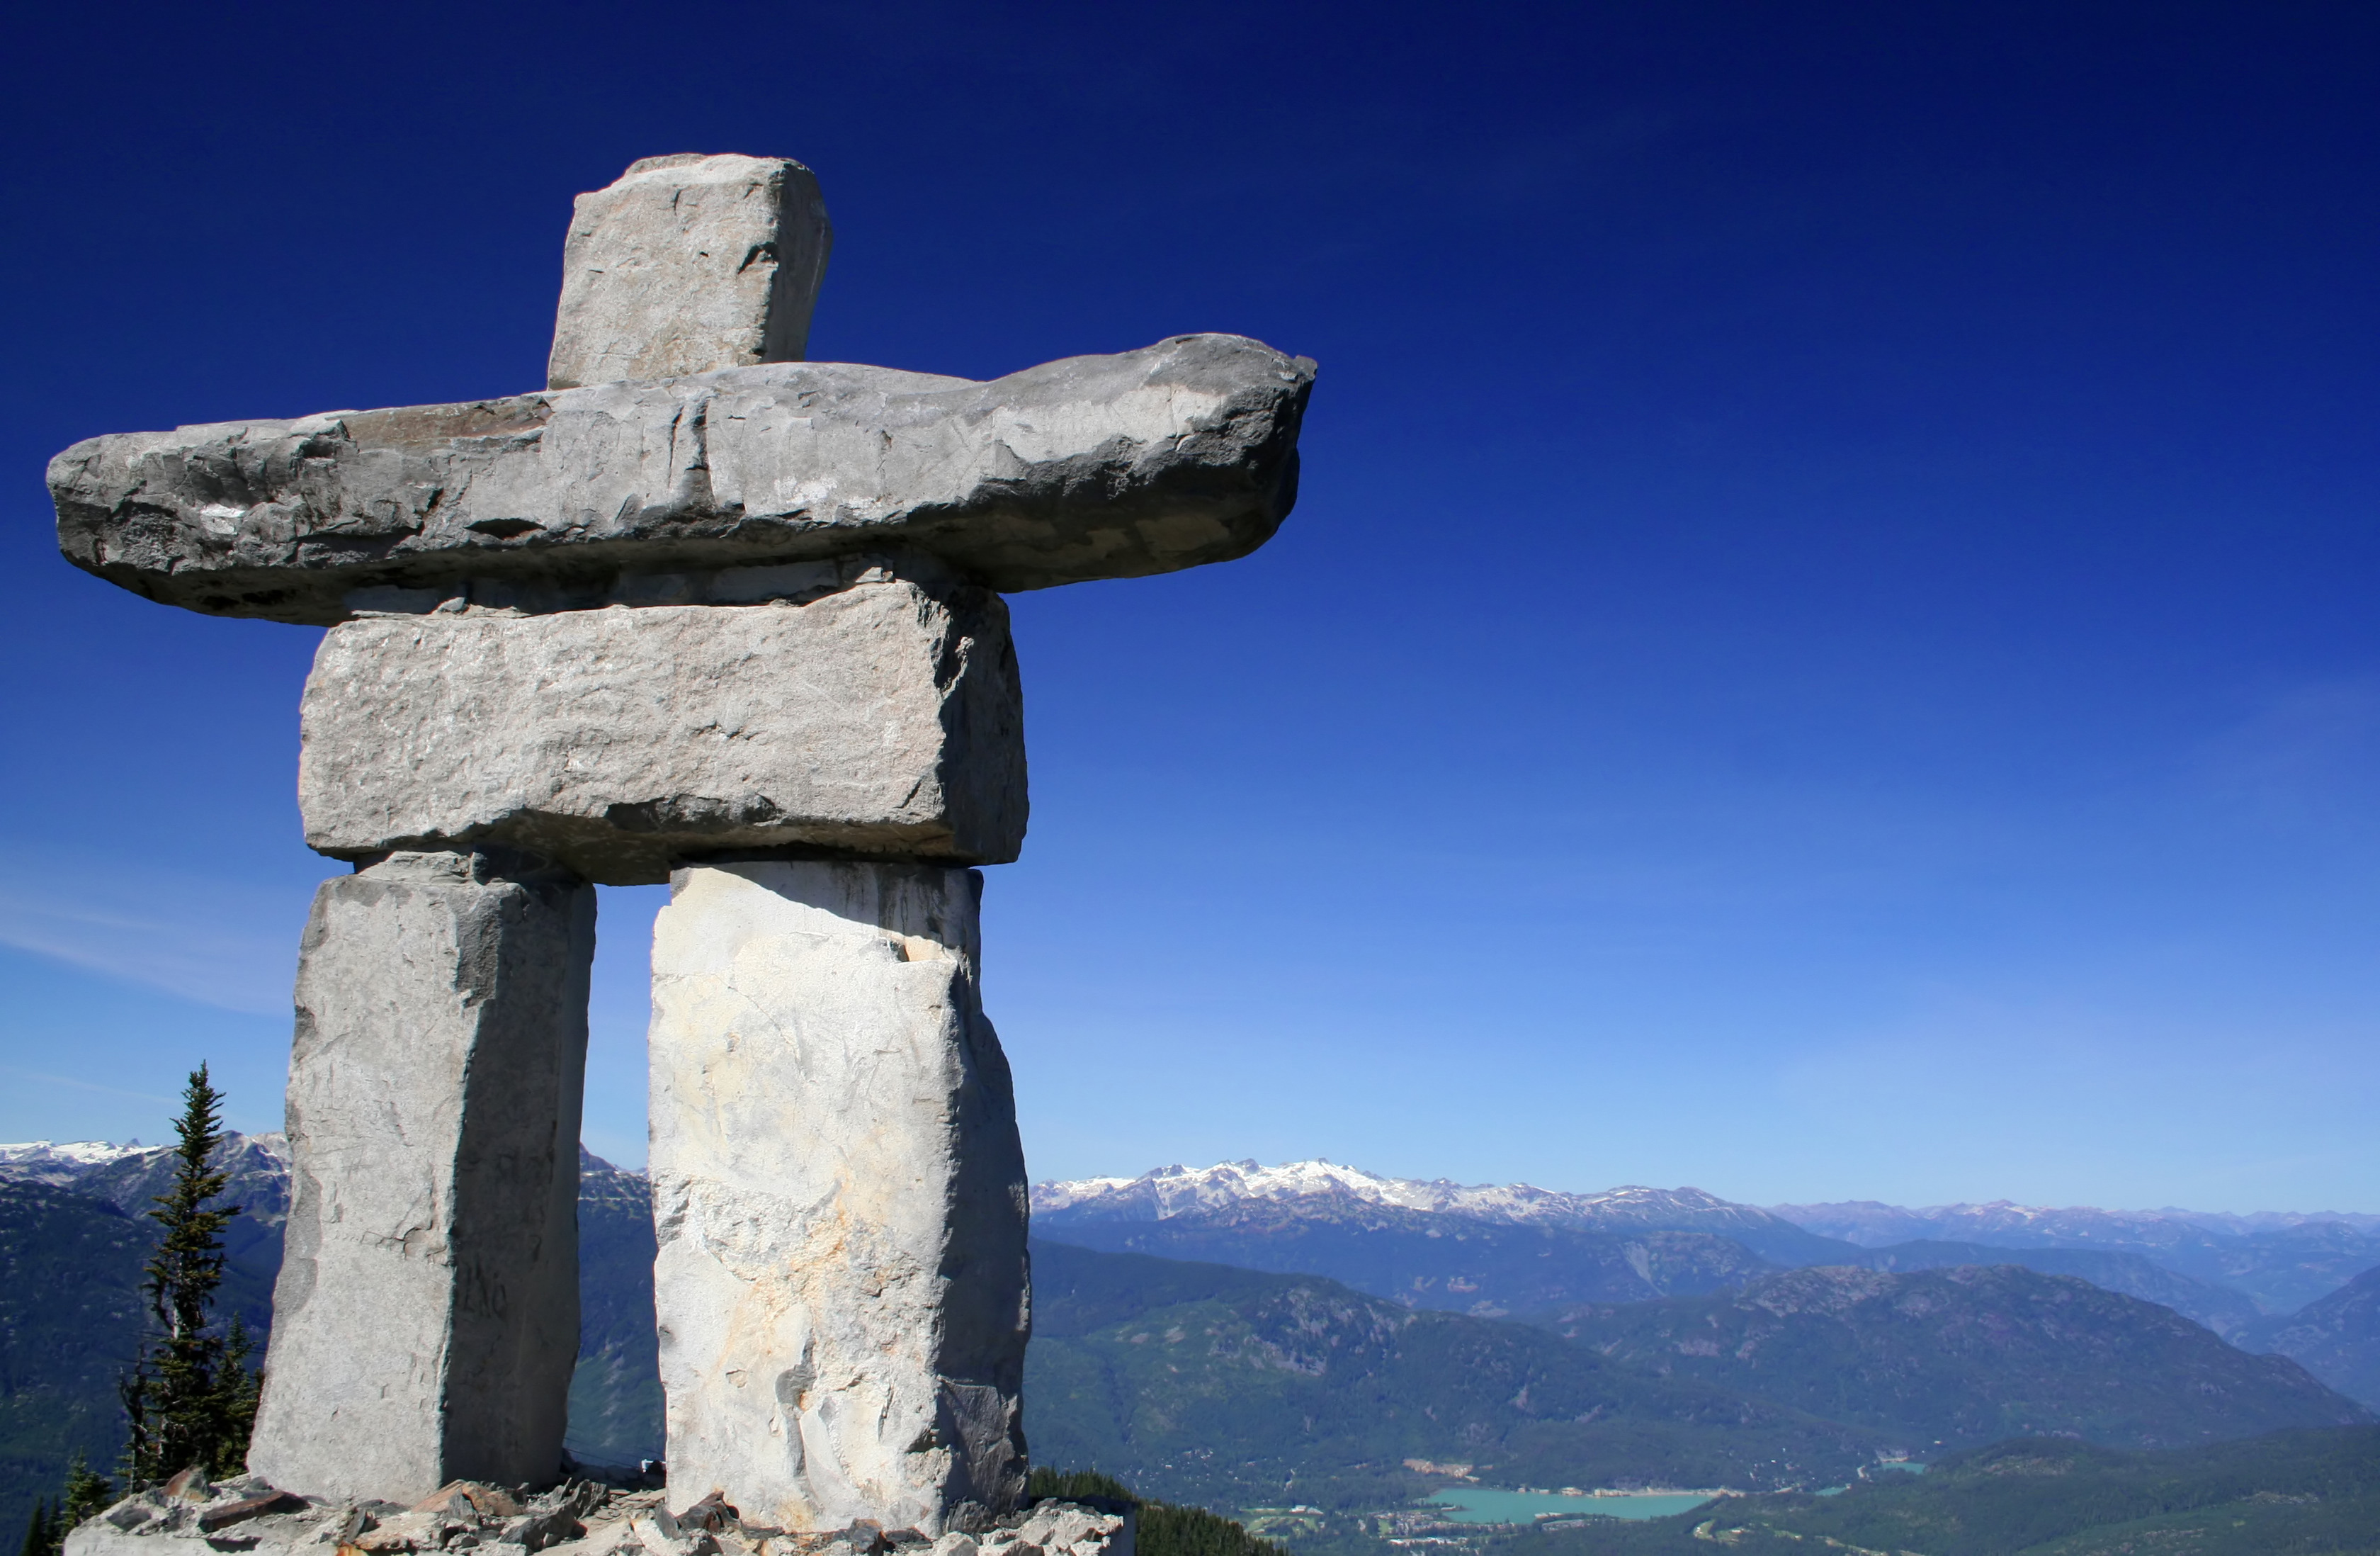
45,1161
1875,1223
1334,1324
2281,1261
1511,1250
1174,1194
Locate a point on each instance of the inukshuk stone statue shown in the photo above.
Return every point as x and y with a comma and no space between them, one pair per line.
702,613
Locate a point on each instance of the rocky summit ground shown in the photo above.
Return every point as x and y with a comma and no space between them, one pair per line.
188,1516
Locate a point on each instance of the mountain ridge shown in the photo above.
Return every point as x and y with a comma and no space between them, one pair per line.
2338,1336
2280,1261
1176,1192
2229,1313
1959,1357
1499,1250
1224,1384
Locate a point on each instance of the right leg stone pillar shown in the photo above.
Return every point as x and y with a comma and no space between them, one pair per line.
840,1198
426,1319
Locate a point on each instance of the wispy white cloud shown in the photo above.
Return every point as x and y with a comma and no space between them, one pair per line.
233,946
73,1084
2305,754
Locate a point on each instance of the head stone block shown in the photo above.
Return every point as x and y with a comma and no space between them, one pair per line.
688,265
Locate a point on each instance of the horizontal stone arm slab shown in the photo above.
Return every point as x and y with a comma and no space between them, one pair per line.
1145,462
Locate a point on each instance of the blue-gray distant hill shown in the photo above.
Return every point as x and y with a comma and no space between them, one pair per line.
2229,1313
2280,1262
2338,1337
1959,1357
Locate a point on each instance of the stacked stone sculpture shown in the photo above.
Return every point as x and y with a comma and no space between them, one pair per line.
702,613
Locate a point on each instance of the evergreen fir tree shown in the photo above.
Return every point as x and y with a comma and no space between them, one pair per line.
189,1394
238,1387
38,1540
87,1493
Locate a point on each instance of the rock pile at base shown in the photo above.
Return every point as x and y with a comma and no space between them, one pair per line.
188,1516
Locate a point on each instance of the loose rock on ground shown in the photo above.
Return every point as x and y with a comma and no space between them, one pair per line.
188,1516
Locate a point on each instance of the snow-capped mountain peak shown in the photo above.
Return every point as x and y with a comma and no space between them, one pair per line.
1168,1192
129,1177
52,1163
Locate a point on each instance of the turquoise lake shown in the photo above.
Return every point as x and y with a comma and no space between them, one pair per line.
1475,1505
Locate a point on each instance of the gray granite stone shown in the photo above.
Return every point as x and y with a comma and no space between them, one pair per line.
426,1319
882,718
1179,454
687,265
840,1198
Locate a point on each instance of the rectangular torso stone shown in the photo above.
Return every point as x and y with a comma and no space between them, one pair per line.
884,720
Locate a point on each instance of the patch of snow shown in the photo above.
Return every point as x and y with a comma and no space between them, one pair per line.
49,1162
1166,1192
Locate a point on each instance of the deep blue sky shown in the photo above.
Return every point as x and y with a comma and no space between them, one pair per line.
1828,650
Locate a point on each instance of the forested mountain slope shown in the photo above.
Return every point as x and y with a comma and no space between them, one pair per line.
1231,1387
1955,1358
69,1322
2229,1313
2336,1339
1435,1259
615,1393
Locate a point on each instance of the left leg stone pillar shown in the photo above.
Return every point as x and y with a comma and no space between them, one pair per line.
426,1319
839,1196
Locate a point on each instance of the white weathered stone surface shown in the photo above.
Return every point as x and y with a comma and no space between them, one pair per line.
840,1198
1092,467
426,1319
883,718
687,265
